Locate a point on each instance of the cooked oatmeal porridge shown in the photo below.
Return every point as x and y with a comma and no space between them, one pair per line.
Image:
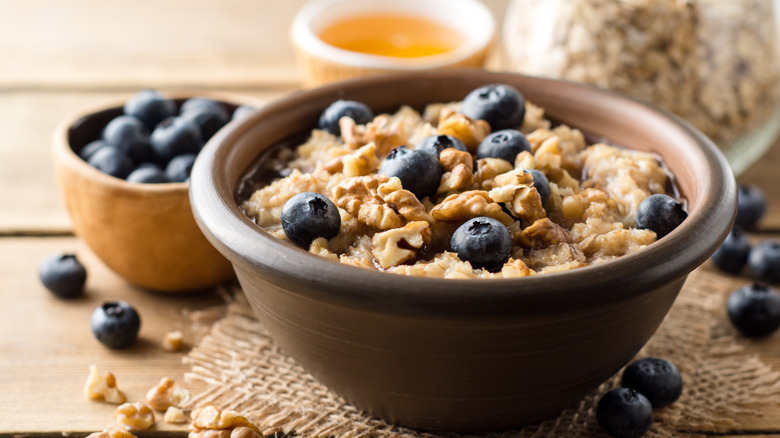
557,204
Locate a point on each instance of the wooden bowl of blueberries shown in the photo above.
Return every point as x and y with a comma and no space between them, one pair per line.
123,171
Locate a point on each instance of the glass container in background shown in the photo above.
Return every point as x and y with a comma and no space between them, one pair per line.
712,62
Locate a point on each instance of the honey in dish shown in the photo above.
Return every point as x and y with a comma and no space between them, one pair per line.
395,35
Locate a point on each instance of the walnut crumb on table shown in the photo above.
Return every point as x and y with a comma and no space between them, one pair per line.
173,341
103,387
134,416
210,422
166,394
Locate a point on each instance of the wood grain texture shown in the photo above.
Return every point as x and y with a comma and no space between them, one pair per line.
47,345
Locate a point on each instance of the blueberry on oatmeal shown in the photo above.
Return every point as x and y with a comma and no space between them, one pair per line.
660,213
357,111
484,242
502,106
624,413
309,215
419,172
541,183
732,255
504,144
754,310
63,275
115,324
657,379
434,144
764,261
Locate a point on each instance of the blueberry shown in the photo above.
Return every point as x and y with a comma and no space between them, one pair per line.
657,379
112,161
624,413
91,147
357,111
434,144
210,117
175,136
147,175
194,102
764,261
180,167
751,205
307,216
502,106
754,309
131,135
242,111
115,324
660,213
504,144
150,107
484,242
419,172
733,252
63,275
541,183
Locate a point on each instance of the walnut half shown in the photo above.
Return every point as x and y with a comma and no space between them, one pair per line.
166,394
134,416
210,422
393,247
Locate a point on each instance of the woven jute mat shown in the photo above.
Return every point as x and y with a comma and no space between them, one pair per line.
244,370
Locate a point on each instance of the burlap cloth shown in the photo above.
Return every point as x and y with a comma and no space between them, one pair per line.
244,370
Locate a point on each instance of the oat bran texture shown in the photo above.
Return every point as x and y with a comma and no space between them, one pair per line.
244,370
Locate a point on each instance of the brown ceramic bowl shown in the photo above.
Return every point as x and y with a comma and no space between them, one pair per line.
144,232
464,354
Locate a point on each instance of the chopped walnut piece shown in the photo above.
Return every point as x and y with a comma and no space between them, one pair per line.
468,205
210,422
134,416
174,415
103,387
516,268
488,169
112,433
361,162
458,169
378,201
517,190
393,247
165,394
470,132
541,233
388,131
172,341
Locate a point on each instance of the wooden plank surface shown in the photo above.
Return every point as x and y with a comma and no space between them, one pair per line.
47,345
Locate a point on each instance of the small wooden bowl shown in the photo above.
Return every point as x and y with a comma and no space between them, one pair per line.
144,232
320,63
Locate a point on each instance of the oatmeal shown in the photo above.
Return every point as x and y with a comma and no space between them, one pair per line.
395,194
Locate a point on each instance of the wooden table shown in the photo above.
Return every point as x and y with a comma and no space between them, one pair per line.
57,58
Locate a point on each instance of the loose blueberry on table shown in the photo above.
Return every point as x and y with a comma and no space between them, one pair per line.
419,172
660,213
115,324
732,255
754,310
624,413
502,106
63,275
357,111
504,144
657,379
751,205
307,216
484,242
764,261
434,144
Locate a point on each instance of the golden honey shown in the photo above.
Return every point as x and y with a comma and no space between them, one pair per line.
395,35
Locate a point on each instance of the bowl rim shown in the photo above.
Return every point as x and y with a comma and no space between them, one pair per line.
66,155
302,34
251,249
